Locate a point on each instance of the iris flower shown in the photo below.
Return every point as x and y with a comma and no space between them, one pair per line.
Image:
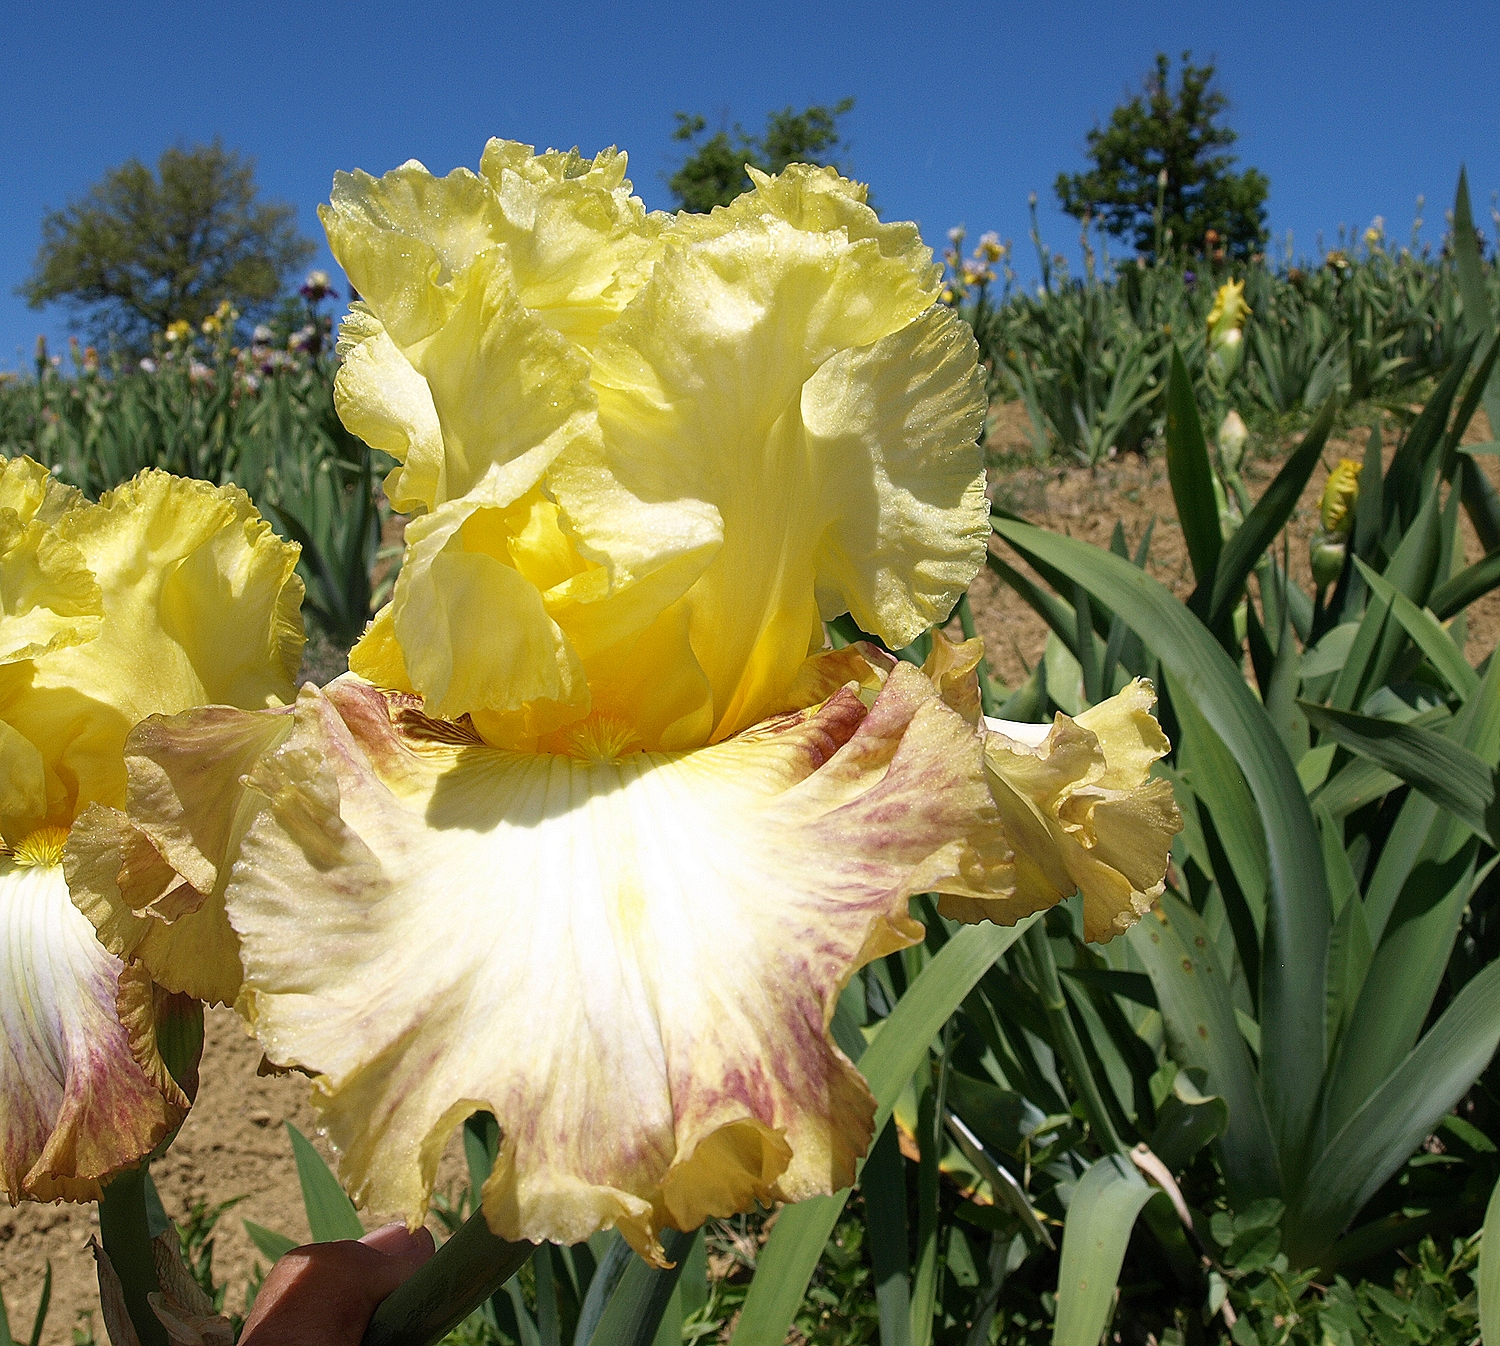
596,829
164,595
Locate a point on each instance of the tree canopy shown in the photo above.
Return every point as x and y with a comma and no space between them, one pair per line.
714,173
143,249
1178,131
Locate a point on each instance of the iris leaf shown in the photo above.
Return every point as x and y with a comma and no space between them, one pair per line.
330,1213
791,1253
1100,1218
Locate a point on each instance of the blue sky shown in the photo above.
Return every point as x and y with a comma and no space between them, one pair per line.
1350,109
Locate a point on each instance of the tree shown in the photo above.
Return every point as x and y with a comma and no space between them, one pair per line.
714,174
1178,132
140,249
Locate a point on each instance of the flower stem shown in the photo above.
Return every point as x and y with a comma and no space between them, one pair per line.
124,1229
462,1274
1067,1041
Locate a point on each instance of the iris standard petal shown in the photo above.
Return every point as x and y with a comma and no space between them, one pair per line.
1083,813
48,597
632,962
786,430
580,244
493,385
75,1105
576,242
480,293
383,400
200,604
784,382
402,237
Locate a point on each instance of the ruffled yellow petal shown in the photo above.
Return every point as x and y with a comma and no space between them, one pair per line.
952,668
151,880
492,386
377,657
657,940
821,201
1082,813
383,400
48,598
781,382
576,242
902,418
401,239
823,673
580,245
472,628
200,604
75,1105
479,294
33,493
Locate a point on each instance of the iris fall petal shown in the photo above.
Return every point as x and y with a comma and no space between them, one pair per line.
75,1104
643,999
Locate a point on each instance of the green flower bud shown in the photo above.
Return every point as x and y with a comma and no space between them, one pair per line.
1327,552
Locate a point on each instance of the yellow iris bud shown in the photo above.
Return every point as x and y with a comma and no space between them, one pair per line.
1225,323
1228,313
1340,495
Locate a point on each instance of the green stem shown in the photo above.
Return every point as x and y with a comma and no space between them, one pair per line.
1067,1041
124,1229
1160,1219
462,1274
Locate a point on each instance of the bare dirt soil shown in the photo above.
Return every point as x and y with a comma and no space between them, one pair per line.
234,1144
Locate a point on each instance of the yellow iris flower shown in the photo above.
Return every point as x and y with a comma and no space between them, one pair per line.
164,595
596,830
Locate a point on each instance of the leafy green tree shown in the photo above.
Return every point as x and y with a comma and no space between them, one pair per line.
142,249
714,173
1179,132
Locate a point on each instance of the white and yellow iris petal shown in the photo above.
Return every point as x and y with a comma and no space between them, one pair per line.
75,1104
652,945
186,597
596,830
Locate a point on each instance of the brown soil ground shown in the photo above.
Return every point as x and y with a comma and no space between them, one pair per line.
234,1145
1134,491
